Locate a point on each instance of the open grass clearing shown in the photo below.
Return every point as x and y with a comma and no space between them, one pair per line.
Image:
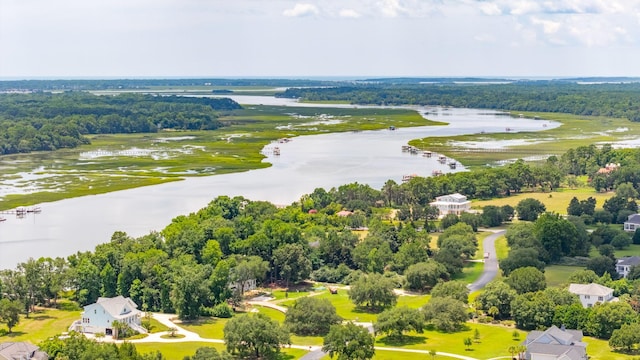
41,325
209,328
177,351
555,201
558,275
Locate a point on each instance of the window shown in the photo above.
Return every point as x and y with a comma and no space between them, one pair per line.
95,311
600,298
587,297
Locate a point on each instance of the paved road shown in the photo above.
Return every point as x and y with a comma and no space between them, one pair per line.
491,264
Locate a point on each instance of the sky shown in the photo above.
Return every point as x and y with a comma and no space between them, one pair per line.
311,38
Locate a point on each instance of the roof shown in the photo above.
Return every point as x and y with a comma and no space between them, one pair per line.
634,219
629,260
557,342
590,289
344,213
20,350
115,306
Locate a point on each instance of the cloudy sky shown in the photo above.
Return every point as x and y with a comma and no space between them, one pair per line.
194,38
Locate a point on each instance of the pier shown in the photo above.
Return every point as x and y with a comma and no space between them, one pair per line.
20,212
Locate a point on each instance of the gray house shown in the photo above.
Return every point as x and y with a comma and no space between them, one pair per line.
624,265
21,351
632,223
555,344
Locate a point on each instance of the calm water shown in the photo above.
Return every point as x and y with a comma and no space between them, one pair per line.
370,157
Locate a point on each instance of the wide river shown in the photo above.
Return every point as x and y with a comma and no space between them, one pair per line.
306,163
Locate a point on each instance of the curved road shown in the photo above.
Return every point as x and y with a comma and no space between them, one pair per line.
490,264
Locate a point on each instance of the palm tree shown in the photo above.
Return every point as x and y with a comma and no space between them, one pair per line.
468,342
433,354
512,350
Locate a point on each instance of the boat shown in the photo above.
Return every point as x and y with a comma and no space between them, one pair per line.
276,151
426,154
436,173
2,219
392,127
406,178
442,159
452,164
34,210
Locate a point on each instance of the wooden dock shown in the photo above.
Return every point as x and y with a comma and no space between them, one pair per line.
21,211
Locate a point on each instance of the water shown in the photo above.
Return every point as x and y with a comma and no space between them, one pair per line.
331,160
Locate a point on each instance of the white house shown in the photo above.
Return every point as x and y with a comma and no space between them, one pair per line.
590,294
555,344
632,223
624,265
99,317
452,204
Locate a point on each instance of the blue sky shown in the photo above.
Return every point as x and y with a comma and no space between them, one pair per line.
146,38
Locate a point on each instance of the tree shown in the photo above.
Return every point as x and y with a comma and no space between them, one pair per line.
394,322
349,342
454,289
446,314
467,343
526,279
425,275
621,241
208,353
372,254
636,236
626,337
532,310
626,191
251,268
311,316
255,335
10,312
601,265
189,291
605,318
558,236
529,209
492,216
519,258
293,263
373,291
499,295
583,277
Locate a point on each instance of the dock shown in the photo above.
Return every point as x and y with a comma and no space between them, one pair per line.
21,211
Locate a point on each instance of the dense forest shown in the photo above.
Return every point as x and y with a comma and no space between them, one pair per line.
46,121
616,100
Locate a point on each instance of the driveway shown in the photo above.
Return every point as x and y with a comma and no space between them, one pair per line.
490,264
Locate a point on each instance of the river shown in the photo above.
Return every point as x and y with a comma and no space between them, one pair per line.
306,163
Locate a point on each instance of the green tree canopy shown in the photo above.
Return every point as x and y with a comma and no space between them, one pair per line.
255,335
349,342
311,316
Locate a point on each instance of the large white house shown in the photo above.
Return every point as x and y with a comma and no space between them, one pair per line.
590,294
632,223
624,265
452,204
99,317
555,344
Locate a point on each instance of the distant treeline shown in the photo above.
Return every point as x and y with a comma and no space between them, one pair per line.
45,121
615,100
129,84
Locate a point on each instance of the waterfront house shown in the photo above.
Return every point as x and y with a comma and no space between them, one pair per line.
624,265
99,317
555,344
452,204
21,351
632,223
591,294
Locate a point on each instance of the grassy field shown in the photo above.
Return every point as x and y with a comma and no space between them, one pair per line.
179,350
558,275
555,201
210,328
575,131
41,325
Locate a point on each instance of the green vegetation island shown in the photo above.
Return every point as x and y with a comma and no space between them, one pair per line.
351,272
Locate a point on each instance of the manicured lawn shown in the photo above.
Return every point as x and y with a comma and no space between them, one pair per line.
157,326
599,349
632,250
413,302
41,325
470,273
177,351
281,294
210,328
556,201
494,341
558,275
502,248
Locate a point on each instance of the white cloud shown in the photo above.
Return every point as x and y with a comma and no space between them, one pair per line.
548,26
489,8
349,13
485,38
302,10
391,8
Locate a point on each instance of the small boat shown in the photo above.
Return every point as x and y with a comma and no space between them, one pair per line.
436,173
2,219
426,154
442,159
406,178
392,127
276,151
34,210
452,164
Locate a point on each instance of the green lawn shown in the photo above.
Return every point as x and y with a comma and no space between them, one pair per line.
632,250
177,351
41,325
558,275
494,341
209,328
470,273
556,201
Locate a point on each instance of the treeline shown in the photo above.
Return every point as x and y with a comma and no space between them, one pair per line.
45,122
615,100
136,84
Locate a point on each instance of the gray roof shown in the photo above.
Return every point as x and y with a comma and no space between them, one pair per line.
115,306
557,342
634,219
21,350
629,260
